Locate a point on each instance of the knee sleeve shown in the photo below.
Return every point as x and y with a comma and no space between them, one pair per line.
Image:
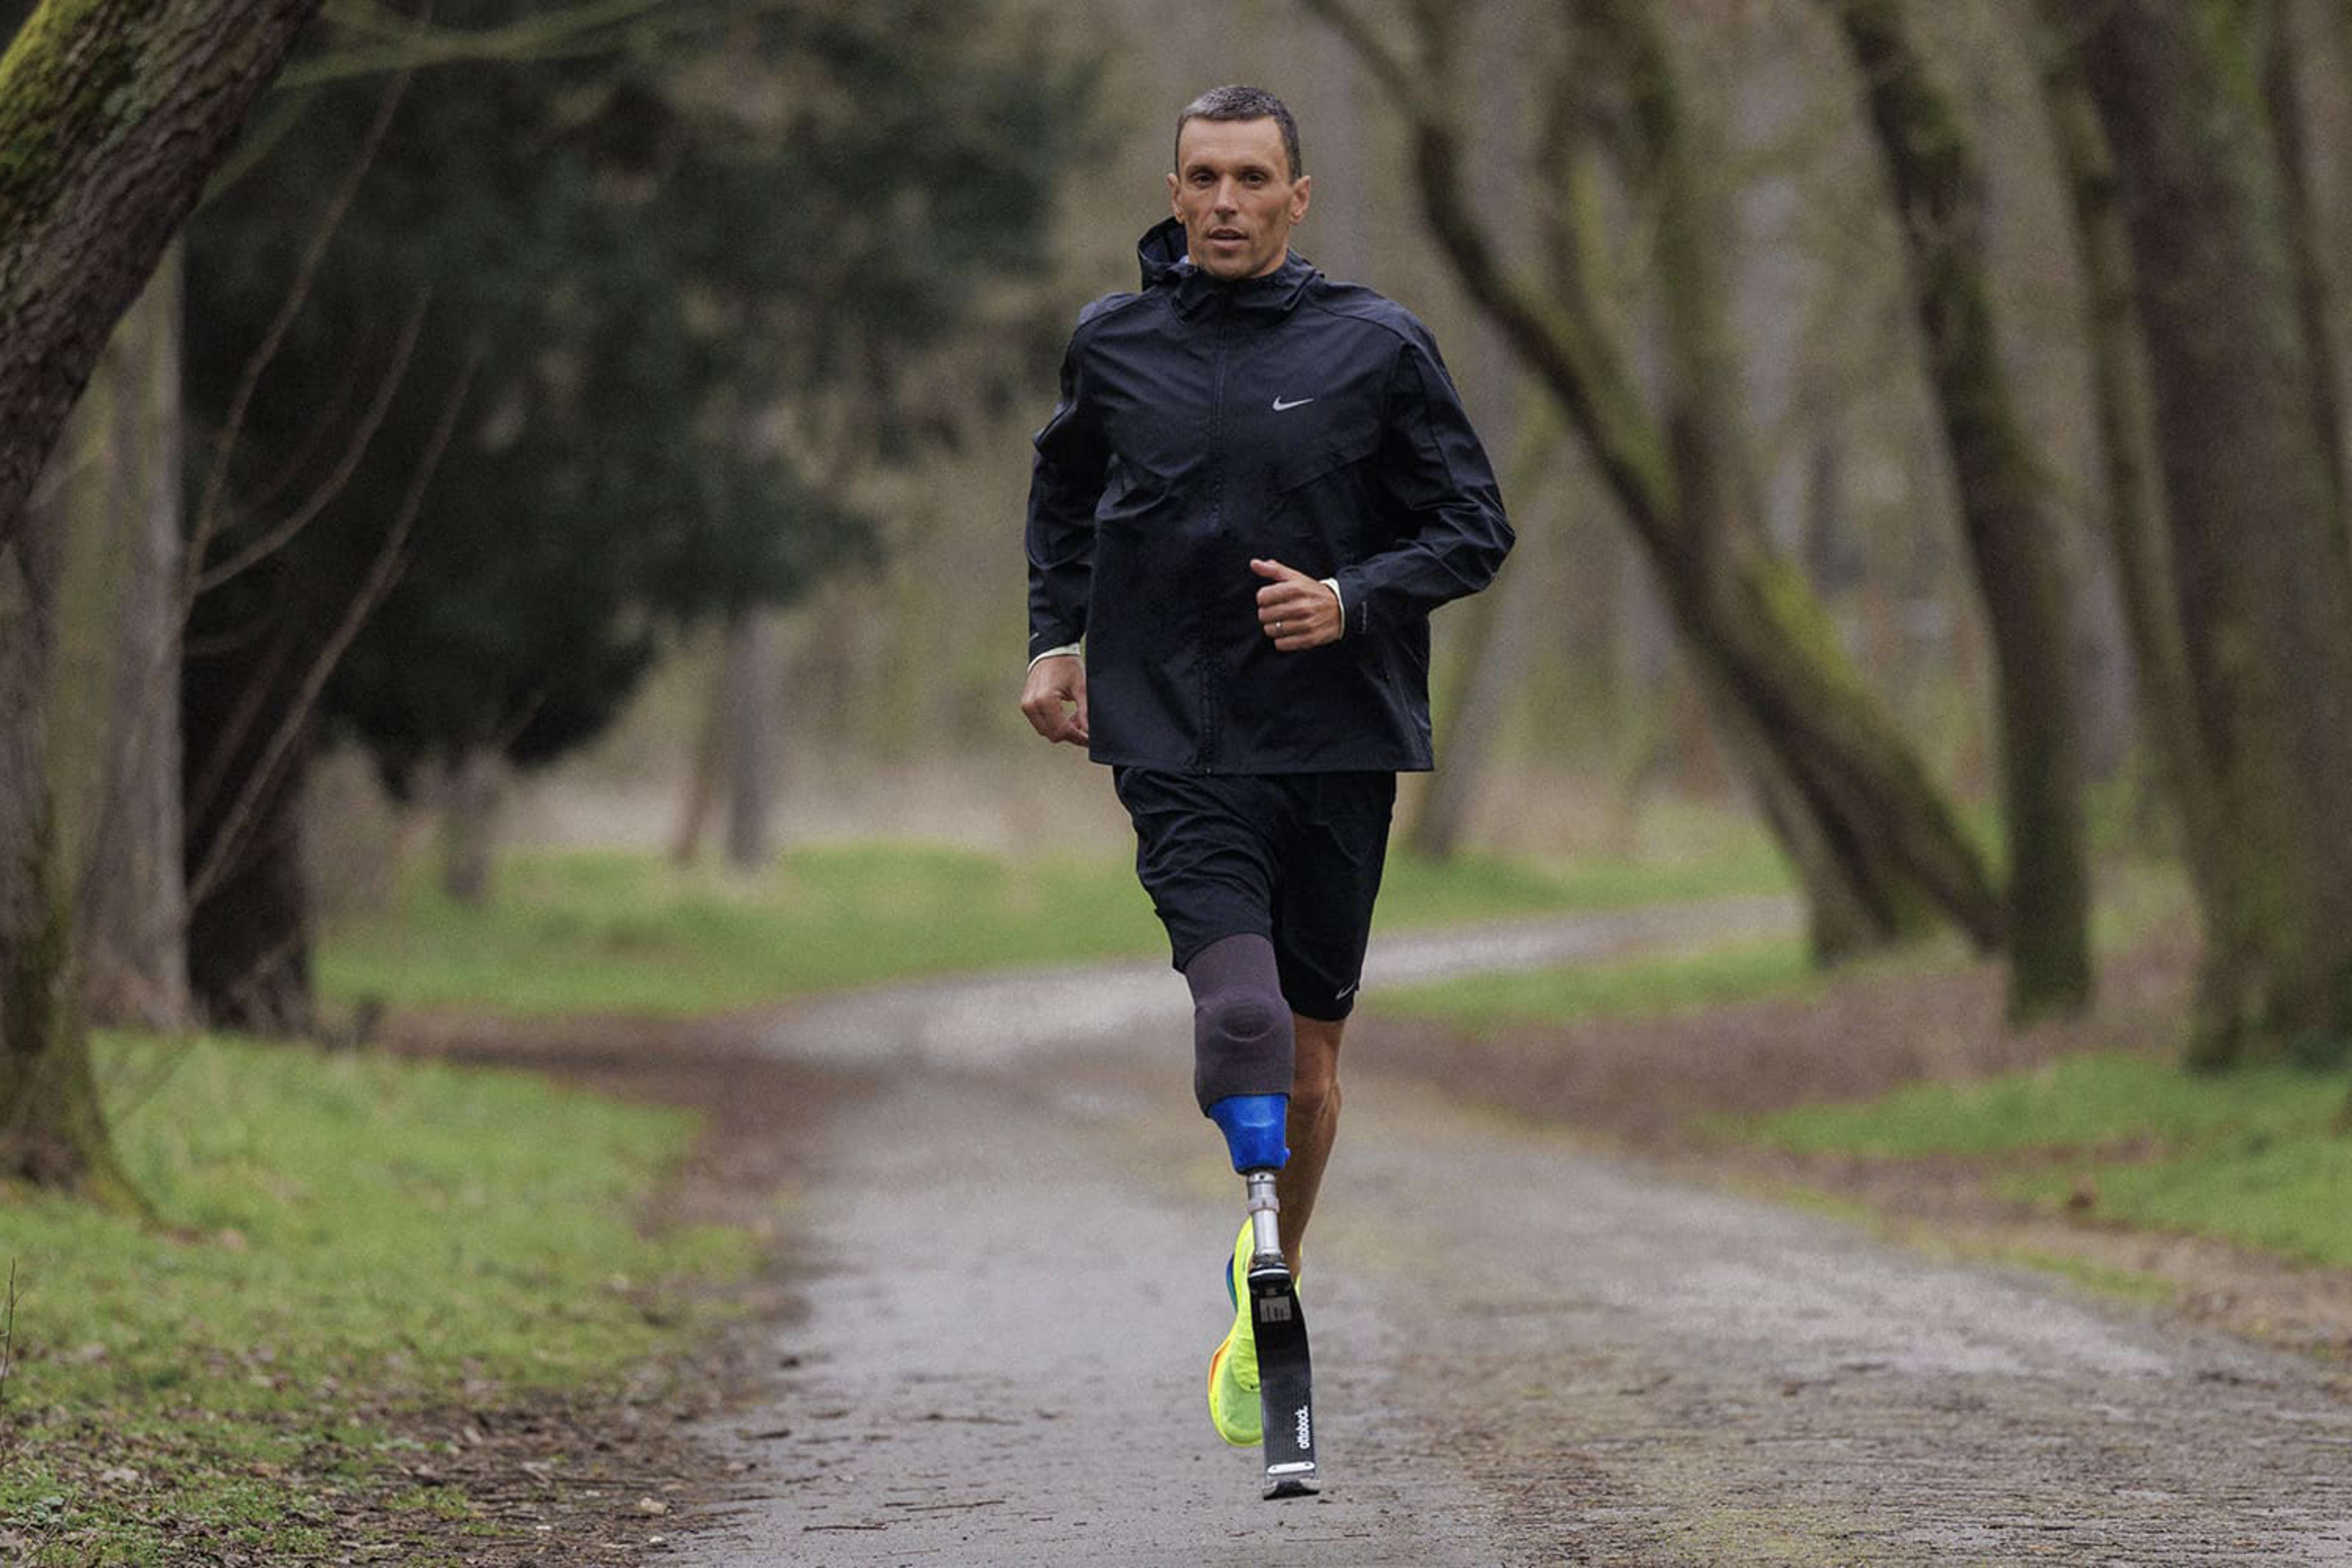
1240,1026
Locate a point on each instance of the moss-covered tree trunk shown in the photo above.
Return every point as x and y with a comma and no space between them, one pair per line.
2308,241
52,1126
112,115
2133,509
1875,839
1858,896
2012,530
2263,584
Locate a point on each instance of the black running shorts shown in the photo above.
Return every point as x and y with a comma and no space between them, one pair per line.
1295,858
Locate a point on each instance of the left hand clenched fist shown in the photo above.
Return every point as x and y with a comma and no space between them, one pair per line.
1295,611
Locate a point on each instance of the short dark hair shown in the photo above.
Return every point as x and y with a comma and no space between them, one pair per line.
1234,101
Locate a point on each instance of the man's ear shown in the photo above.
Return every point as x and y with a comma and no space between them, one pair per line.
1299,192
1175,209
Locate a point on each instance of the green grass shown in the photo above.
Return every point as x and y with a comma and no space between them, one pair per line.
2122,1283
2084,1104
1418,893
2139,899
604,932
1636,987
2252,1156
608,931
335,1235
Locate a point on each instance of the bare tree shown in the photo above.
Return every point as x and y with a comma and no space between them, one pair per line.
112,114
2283,69
2134,493
1874,841
2013,532
2262,584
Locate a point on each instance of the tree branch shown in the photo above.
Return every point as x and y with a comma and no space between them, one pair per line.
207,520
266,773
277,539
1388,67
595,28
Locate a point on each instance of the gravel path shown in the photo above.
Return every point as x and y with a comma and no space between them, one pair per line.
990,1020
1013,1295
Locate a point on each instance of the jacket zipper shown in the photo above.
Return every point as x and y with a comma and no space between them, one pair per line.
1213,668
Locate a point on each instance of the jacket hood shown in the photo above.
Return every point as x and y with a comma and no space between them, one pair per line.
1166,258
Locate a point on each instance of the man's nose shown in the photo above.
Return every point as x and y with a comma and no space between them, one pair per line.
1227,197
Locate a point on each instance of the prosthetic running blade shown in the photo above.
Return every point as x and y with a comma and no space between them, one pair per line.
1285,1380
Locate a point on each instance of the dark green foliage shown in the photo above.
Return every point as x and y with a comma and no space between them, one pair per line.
674,268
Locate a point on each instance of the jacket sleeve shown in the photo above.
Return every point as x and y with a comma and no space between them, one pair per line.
1064,485
1434,475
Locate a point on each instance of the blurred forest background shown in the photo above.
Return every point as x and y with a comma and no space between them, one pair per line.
606,423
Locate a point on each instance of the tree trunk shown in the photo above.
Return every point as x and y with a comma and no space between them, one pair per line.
1491,654
2264,586
2307,244
1865,823
469,816
750,707
112,115
1858,897
2013,531
249,936
1493,651
132,926
1856,902
52,1125
248,917
1747,618
702,771
2135,527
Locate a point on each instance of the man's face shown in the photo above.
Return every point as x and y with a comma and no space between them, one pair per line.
1232,190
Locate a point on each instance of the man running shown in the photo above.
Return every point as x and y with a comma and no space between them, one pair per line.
1255,487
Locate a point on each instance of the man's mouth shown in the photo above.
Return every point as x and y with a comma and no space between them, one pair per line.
1231,235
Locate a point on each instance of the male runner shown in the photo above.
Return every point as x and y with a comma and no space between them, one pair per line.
1255,487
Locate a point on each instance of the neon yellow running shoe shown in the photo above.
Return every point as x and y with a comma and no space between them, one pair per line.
1233,1370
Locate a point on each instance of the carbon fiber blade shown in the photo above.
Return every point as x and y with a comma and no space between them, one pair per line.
1285,1383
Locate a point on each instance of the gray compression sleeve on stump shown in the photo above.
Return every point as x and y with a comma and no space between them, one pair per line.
1240,1026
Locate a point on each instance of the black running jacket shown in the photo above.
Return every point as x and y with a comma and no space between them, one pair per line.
1201,424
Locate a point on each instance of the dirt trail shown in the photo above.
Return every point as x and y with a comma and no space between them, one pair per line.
992,1020
1015,1294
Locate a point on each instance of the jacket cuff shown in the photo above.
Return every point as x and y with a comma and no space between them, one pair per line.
1066,650
1333,583
1354,602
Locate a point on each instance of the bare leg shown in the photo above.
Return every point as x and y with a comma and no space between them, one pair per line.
1314,1123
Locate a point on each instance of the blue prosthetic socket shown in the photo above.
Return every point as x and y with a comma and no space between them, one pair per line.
1253,1125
